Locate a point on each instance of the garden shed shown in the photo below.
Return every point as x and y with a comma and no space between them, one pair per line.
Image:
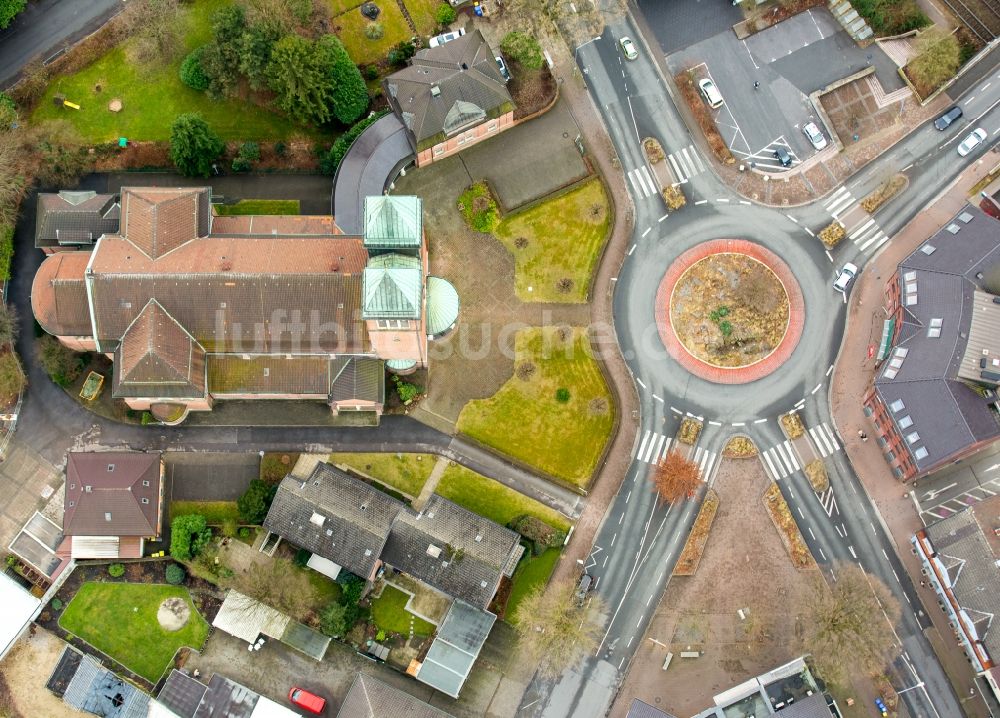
249,619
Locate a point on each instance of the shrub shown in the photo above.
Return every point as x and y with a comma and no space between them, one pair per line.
374,31
401,53
228,528
654,150
6,250
538,532
8,112
479,208
116,570
370,72
255,501
192,73
189,535
12,377
407,391
9,10
333,620
175,574
250,151
349,94
62,364
818,478
523,48
244,532
280,149
562,395
333,158
302,557
792,425
831,235
937,61
193,145
674,197
445,14
57,604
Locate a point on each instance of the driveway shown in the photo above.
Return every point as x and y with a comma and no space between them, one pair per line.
210,476
46,26
790,60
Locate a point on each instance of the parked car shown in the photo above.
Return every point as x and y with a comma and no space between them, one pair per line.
628,48
781,154
847,275
710,92
975,138
814,135
311,702
945,120
439,40
583,588
504,72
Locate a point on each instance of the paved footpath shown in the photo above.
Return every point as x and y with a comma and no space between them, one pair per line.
851,380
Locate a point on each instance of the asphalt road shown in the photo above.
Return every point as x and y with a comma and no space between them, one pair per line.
45,27
638,543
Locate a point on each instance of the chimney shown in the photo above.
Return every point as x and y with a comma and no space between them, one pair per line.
435,91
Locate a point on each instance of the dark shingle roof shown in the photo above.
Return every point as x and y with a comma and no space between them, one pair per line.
371,698
75,218
454,550
972,570
335,516
112,482
469,88
639,709
361,378
181,694
158,358
940,415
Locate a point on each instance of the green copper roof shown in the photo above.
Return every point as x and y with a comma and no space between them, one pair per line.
401,364
392,221
442,306
392,287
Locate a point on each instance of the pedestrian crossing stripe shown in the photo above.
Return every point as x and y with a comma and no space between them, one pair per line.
839,201
654,448
824,439
781,460
642,182
685,163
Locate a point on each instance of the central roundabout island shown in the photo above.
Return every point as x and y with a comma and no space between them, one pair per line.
729,311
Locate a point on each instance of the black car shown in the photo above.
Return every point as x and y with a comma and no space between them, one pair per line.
945,120
781,154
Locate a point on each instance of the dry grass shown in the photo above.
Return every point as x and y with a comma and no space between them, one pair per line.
818,478
832,235
689,431
781,515
739,447
792,424
690,557
886,191
687,84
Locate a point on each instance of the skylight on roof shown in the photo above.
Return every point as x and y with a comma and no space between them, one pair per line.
934,332
965,217
317,519
911,299
897,406
920,453
953,228
906,422
912,438
910,276
890,372
928,249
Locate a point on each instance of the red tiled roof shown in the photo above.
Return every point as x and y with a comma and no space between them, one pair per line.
158,357
288,225
105,492
59,295
158,220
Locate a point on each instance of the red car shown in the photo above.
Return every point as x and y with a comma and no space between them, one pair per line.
309,701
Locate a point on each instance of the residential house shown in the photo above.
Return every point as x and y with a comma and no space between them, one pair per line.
113,504
68,220
933,400
962,567
184,696
369,697
195,308
450,97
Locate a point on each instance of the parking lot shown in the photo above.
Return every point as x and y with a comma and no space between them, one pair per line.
956,488
789,60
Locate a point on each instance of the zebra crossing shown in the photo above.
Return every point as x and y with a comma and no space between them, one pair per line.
868,236
824,439
839,201
781,460
829,502
643,182
685,163
654,447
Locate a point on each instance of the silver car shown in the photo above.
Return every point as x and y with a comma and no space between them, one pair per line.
815,136
847,275
975,138
628,48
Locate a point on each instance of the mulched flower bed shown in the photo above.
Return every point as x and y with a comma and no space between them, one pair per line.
206,597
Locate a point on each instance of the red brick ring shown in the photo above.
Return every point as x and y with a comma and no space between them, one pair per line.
730,375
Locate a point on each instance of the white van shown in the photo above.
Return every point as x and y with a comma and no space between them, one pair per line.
710,92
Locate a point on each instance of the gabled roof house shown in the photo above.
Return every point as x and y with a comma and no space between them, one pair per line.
450,97
196,308
113,503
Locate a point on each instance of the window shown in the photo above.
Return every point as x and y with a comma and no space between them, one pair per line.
88,488
890,456
145,501
920,453
912,438
107,515
393,323
111,467
897,405
72,486
492,127
906,422
145,482
438,150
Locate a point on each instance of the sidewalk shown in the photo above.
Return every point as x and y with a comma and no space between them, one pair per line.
851,380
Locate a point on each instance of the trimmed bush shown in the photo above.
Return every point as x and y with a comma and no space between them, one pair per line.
189,534
445,14
479,208
116,570
192,74
523,48
538,532
401,53
175,574
335,156
256,500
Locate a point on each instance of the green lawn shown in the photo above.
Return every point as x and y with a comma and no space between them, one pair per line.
492,499
350,28
526,421
533,571
565,236
327,590
407,473
390,614
258,206
105,615
215,512
422,13
153,97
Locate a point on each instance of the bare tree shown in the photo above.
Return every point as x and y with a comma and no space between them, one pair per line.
850,625
280,584
154,27
676,478
555,630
